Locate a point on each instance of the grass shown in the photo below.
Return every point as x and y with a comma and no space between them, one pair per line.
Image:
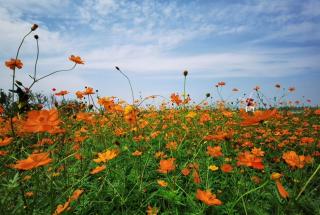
129,183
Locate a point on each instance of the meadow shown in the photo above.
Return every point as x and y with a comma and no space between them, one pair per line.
103,155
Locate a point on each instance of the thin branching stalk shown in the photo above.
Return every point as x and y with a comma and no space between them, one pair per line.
261,100
148,97
93,103
220,95
52,73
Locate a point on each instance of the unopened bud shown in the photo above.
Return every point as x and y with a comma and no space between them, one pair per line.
36,37
185,72
18,83
208,95
34,27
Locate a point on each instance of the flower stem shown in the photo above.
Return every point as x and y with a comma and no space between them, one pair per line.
14,68
250,191
306,184
117,68
62,70
36,63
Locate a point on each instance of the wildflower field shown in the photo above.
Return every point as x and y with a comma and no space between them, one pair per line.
103,155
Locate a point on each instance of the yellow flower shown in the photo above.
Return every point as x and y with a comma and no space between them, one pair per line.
128,109
213,167
276,176
191,114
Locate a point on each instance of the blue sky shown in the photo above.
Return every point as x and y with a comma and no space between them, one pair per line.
244,43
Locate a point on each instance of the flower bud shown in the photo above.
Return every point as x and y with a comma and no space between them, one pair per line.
36,37
34,27
185,72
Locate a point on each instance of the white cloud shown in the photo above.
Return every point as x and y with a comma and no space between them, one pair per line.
248,62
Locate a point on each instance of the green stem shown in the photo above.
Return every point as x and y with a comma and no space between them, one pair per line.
14,68
184,90
36,63
62,70
250,191
244,206
306,184
129,83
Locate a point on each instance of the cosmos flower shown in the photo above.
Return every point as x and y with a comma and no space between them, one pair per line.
76,59
207,197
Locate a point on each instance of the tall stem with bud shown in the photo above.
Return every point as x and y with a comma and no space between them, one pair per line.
185,73
132,95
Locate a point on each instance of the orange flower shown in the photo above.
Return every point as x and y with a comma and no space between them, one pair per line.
62,93
98,169
306,141
214,151
162,183
250,160
28,194
226,168
293,159
76,59
207,197
79,94
175,98
14,63
283,193
106,156
258,117
221,83
33,161
1,110
171,145
6,141
276,177
257,152
88,91
196,177
3,153
42,121
137,153
167,165
152,210
204,118
61,208
131,118
76,194
185,171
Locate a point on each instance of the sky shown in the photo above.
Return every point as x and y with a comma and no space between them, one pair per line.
244,43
